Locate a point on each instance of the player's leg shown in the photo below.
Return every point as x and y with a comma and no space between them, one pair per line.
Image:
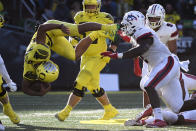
7,108
73,28
99,93
159,77
63,47
82,81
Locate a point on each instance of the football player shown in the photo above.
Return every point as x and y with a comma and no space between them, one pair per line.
4,99
50,35
163,68
92,62
168,35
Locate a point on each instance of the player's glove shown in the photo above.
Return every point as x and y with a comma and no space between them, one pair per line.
12,86
112,55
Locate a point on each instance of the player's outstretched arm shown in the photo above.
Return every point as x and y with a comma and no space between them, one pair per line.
43,28
35,88
144,45
93,26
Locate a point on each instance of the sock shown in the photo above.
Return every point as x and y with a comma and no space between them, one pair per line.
107,107
68,108
157,113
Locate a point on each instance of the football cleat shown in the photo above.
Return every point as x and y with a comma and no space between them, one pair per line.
156,124
110,114
134,123
62,115
12,115
145,113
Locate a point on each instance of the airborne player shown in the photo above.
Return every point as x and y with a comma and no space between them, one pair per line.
91,63
50,35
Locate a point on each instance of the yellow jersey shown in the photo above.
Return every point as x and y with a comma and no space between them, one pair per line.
99,44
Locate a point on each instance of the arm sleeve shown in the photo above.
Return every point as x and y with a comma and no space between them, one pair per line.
3,71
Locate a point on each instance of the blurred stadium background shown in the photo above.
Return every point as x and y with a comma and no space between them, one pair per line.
22,15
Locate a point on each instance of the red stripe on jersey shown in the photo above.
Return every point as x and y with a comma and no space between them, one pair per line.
161,74
182,86
149,34
174,34
190,76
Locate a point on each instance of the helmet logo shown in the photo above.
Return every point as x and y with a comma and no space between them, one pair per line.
131,18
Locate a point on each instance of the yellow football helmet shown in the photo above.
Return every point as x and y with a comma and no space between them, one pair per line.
38,53
91,2
1,21
47,71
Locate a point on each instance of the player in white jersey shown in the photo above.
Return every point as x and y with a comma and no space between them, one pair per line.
163,68
168,35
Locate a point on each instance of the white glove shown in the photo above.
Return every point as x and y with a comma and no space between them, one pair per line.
12,86
185,65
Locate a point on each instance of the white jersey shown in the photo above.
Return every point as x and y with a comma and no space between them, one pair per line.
157,52
167,32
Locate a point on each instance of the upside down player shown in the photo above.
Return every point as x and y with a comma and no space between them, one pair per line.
50,35
164,69
4,99
91,62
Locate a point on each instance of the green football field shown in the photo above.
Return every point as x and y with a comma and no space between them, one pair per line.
37,113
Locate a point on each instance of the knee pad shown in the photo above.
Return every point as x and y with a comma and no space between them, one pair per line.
98,93
78,92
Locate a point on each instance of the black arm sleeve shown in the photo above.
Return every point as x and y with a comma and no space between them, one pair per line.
144,45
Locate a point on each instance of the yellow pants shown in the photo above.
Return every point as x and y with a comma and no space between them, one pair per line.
89,75
63,47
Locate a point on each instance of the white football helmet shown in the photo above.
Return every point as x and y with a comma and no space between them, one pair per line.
132,20
155,11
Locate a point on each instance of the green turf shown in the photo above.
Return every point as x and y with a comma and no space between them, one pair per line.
37,113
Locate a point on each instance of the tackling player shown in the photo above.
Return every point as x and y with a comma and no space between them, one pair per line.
168,34
4,99
91,62
39,72
163,68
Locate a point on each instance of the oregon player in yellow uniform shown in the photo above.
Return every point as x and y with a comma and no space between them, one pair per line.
4,99
50,35
91,62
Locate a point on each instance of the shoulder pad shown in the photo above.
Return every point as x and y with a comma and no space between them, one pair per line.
78,15
107,15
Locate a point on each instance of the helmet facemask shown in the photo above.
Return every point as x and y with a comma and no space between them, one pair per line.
155,16
154,22
91,7
47,71
131,21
